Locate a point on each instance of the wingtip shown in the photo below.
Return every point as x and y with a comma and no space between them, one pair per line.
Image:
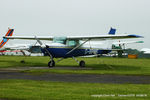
136,36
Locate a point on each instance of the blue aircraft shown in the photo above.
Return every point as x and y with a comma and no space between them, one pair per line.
74,46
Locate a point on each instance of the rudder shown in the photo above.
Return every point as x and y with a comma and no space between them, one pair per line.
112,31
4,41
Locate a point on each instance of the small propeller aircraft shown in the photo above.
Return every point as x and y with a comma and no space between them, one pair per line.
72,46
32,48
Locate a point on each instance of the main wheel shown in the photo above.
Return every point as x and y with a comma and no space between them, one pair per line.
51,63
82,63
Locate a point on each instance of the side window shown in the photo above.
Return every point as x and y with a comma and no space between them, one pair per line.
72,42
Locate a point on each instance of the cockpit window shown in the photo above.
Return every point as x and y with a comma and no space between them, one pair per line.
59,40
63,40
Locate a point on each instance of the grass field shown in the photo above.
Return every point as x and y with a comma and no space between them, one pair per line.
44,90
98,65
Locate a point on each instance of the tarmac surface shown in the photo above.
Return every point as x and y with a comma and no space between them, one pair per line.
87,78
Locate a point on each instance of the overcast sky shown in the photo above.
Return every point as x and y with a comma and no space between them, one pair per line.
76,17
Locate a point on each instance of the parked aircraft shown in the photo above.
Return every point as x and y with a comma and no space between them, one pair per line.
4,41
33,48
116,45
74,46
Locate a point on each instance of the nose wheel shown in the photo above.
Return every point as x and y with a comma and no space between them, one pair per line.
51,63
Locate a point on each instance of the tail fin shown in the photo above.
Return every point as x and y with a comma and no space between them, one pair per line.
4,41
112,31
110,42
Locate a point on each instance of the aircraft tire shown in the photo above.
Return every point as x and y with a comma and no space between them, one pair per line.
51,63
82,63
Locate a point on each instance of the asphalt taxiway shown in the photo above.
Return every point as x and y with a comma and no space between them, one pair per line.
13,73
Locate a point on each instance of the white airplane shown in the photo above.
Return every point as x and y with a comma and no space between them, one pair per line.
121,44
73,46
16,47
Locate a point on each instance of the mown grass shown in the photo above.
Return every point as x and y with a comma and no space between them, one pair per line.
15,61
45,90
97,65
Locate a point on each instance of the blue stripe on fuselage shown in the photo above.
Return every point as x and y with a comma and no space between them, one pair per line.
61,52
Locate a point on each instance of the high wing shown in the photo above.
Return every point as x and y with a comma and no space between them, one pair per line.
127,42
103,37
30,37
93,37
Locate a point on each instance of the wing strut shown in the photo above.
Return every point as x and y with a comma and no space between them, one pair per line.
77,47
51,63
44,47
